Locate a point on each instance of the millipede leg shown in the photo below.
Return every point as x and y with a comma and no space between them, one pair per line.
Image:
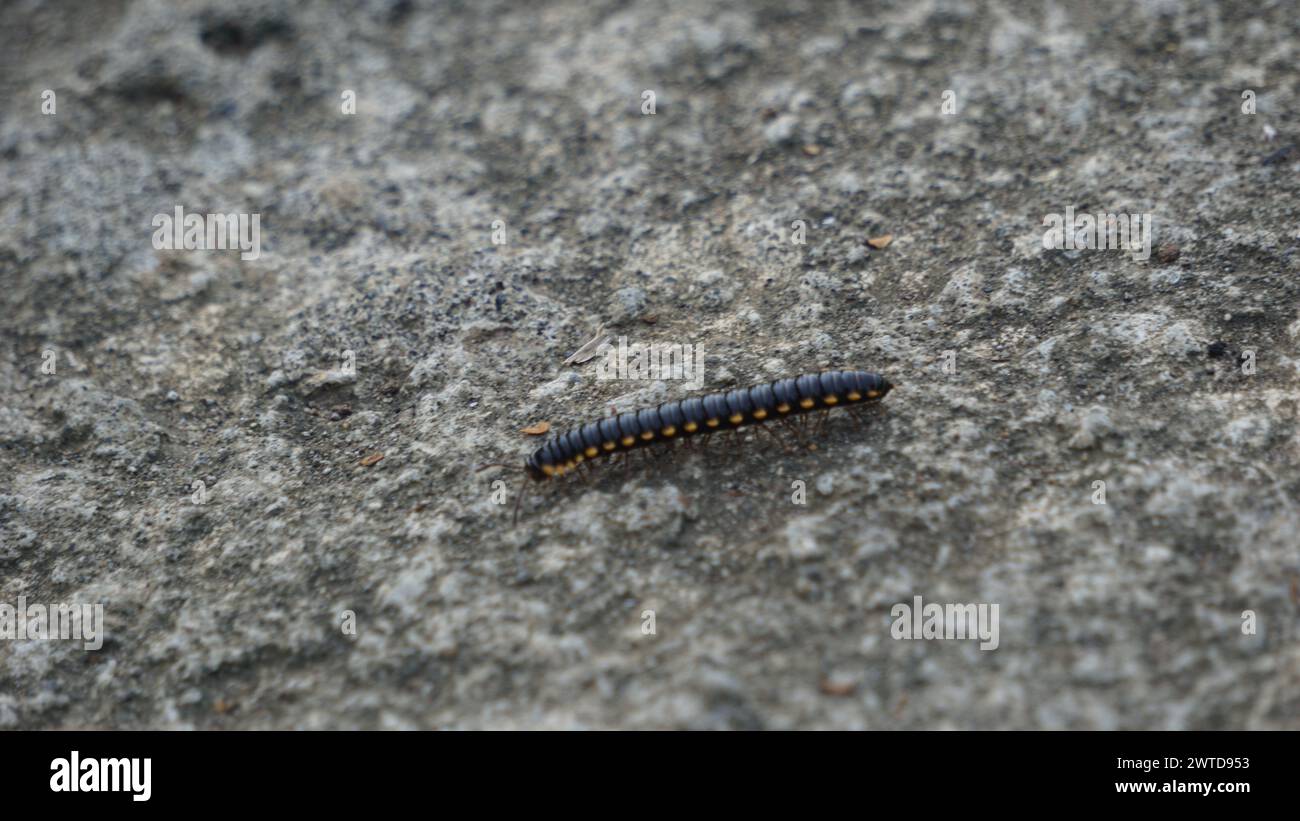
519,498
772,434
816,424
793,429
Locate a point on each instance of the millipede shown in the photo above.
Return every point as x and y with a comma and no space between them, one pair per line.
697,416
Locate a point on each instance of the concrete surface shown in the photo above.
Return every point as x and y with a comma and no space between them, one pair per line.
1173,380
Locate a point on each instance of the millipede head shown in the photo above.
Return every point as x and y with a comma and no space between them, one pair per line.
865,386
883,386
534,469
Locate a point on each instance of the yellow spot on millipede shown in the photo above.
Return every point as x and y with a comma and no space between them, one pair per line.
806,403
609,445
549,470
629,441
760,414
831,399
669,431
872,394
736,418
783,408
647,435
691,427
713,423
591,452
854,396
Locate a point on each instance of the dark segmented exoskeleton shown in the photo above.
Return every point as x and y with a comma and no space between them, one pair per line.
685,418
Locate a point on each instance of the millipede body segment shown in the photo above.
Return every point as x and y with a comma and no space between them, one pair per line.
685,418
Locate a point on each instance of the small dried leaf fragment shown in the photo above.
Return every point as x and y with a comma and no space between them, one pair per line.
371,459
589,350
880,241
840,687
537,429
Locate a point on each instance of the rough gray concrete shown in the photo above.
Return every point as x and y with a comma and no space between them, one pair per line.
1072,367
